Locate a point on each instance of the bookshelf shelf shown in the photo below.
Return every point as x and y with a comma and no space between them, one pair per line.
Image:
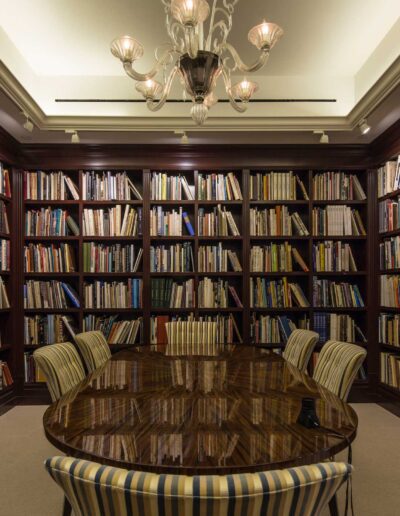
5,198
112,239
280,273
5,348
389,309
112,274
389,271
112,310
344,273
5,310
339,309
5,235
187,238
254,238
220,238
51,274
5,273
177,203
281,310
384,234
278,202
167,310
390,195
29,202
172,274
390,347
55,239
112,203
51,310
339,237
222,310
215,203
318,202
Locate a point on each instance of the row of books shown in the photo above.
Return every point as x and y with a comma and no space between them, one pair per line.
116,294
336,294
337,220
227,328
217,259
342,327
115,331
109,186
5,186
390,369
275,258
219,187
330,256
272,186
169,223
6,378
166,293
50,258
4,301
389,215
276,294
390,291
4,255
49,294
111,258
50,222
389,253
218,222
217,294
4,226
276,222
389,329
49,186
41,330
172,258
111,222
165,187
337,186
389,177
268,329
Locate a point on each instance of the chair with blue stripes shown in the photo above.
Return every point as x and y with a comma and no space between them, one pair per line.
96,490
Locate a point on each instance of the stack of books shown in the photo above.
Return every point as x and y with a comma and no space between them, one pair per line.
390,291
165,187
218,222
330,256
276,294
49,294
116,294
328,293
337,186
172,258
111,258
217,259
52,186
389,253
337,220
166,293
276,222
389,215
216,294
276,186
49,222
389,177
275,258
51,258
389,329
219,187
108,186
111,223
340,327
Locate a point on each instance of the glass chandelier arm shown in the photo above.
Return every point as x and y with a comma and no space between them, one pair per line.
156,105
240,107
163,60
191,42
242,66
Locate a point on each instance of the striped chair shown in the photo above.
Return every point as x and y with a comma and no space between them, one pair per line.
61,366
94,349
299,348
95,490
337,366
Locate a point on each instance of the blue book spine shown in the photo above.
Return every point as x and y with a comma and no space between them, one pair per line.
71,295
188,224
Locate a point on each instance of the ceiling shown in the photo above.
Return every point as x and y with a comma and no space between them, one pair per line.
341,50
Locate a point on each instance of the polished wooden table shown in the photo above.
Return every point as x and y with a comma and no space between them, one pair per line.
231,409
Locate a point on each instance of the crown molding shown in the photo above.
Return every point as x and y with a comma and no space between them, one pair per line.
21,98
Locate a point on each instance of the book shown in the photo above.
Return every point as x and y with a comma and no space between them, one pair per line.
49,186
273,186
219,187
218,222
4,255
166,223
169,187
188,224
47,329
111,258
109,186
389,253
50,258
299,260
49,222
389,177
6,379
167,293
389,329
332,326
333,256
5,186
72,295
276,294
328,293
389,215
390,290
172,258
48,294
111,222
72,226
276,222
337,220
271,329
235,296
115,294
337,186
216,258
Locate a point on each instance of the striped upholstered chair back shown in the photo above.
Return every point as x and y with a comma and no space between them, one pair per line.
299,348
95,490
61,366
94,349
337,366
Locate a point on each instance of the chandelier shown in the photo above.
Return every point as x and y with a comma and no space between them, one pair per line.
197,58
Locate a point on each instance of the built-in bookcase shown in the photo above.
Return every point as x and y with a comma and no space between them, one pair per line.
389,275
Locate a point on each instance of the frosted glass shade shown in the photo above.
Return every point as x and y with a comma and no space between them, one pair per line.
244,90
190,12
265,35
149,89
127,49
211,100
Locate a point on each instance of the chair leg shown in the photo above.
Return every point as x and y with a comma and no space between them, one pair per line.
333,506
67,509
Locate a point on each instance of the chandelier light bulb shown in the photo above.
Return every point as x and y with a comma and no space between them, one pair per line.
126,49
210,100
244,90
190,12
265,35
149,89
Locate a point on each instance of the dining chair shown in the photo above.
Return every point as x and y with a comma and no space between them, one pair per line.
93,489
61,366
94,349
191,332
299,348
337,366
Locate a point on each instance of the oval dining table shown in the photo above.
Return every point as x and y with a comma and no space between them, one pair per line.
221,409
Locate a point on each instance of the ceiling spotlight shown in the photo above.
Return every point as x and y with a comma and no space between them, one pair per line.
364,127
74,135
324,137
28,125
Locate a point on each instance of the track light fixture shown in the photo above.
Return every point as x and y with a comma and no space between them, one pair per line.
74,135
28,125
184,137
324,137
364,127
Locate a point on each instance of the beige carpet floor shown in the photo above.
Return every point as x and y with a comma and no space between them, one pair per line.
27,490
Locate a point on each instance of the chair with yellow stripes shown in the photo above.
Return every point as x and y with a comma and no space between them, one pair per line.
94,349
93,489
61,366
299,348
